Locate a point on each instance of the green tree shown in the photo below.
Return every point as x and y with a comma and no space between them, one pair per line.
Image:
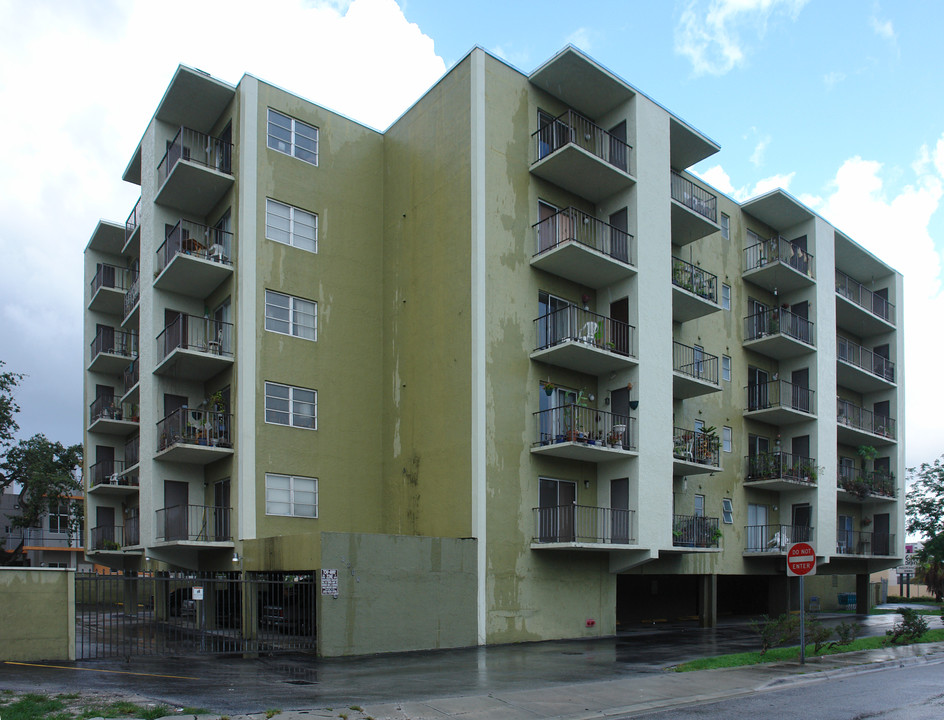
930,567
924,503
8,406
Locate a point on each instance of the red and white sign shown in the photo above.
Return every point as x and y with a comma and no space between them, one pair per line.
801,560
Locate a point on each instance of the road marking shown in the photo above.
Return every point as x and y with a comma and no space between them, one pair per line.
116,672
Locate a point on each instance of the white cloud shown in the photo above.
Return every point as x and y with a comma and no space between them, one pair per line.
832,79
757,157
580,38
719,179
883,28
716,35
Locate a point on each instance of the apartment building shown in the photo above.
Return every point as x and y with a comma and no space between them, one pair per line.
51,542
505,371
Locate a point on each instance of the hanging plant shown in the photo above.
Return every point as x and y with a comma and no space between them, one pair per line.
549,388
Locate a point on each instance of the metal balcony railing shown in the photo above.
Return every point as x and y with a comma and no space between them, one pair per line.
778,320
134,220
109,472
196,147
859,418
39,537
109,276
132,452
572,323
695,531
775,538
114,342
573,128
778,249
191,332
579,423
781,465
131,375
779,394
133,294
195,427
108,537
696,447
695,280
573,225
694,362
861,542
108,408
133,527
864,483
864,298
194,523
584,524
854,354
190,238
693,197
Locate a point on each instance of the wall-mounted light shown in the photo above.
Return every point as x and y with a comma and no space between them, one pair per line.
235,557
586,484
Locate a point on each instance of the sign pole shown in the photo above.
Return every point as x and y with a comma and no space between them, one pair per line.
802,624
801,561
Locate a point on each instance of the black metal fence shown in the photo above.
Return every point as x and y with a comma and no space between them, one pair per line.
168,613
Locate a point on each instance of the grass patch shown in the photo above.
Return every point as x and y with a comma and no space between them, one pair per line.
70,706
782,654
32,707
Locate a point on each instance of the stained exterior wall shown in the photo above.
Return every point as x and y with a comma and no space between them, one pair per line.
38,614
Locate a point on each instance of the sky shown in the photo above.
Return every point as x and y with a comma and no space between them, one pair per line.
839,102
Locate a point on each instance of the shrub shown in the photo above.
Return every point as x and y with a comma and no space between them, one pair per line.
775,632
847,632
908,629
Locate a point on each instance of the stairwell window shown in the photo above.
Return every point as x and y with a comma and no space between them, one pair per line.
291,495
292,137
291,225
290,315
292,406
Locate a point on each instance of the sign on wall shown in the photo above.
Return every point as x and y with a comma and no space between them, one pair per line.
329,582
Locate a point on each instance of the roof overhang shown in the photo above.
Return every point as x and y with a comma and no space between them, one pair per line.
778,209
687,145
194,99
581,83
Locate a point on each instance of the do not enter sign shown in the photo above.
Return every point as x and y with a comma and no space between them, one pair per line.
801,560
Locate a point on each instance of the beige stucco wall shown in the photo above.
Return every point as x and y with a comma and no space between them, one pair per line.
37,614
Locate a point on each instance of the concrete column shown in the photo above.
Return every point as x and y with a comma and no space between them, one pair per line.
778,596
249,607
130,593
862,593
708,600
161,595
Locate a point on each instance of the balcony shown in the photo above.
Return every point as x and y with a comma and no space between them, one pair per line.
574,153
108,288
860,310
775,539
582,526
108,477
779,402
864,544
778,265
855,485
574,245
195,347
578,432
194,259
108,538
131,377
694,372
132,245
696,532
858,426
132,301
111,351
781,471
112,418
694,211
195,172
694,292
197,437
195,524
42,539
584,341
695,452
133,528
862,370
779,334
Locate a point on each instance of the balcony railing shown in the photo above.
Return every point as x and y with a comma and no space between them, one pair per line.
860,542
196,147
779,394
132,451
133,527
864,298
584,524
572,323
191,332
579,423
864,483
114,342
109,276
134,220
195,427
864,359
108,537
778,249
859,418
694,362
695,280
781,466
573,225
694,197
109,472
696,447
778,320
695,531
775,538
108,408
194,239
133,294
571,127
131,375
193,523
39,537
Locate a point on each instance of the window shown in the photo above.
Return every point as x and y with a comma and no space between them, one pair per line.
291,495
291,315
291,226
59,517
294,406
725,226
727,511
726,368
293,137
699,506
699,426
726,439
725,297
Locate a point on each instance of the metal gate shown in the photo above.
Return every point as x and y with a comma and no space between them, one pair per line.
174,613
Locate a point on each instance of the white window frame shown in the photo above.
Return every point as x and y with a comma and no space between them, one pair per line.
294,215
290,136
292,408
725,227
725,297
297,487
727,511
727,439
726,367
295,312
